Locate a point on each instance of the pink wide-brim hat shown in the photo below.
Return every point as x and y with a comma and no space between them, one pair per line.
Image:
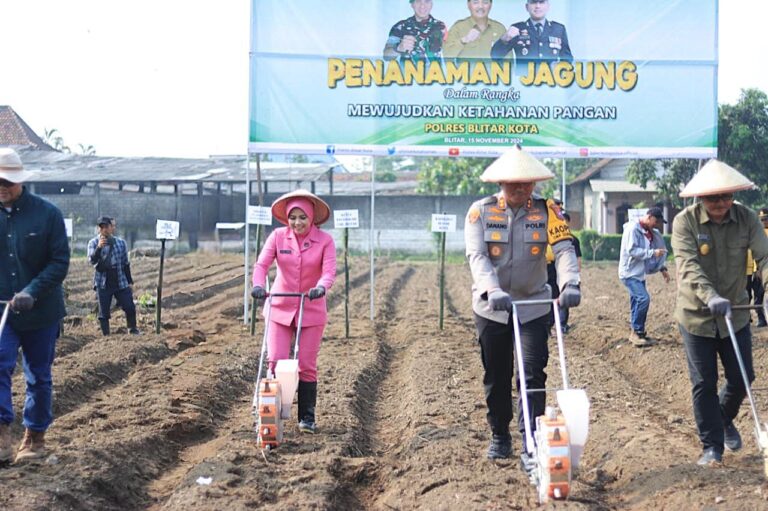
280,206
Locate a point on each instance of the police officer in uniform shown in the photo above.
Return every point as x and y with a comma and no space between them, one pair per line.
534,39
506,238
710,240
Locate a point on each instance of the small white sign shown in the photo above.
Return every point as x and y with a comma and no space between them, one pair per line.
259,215
635,214
167,230
229,225
346,219
68,227
443,223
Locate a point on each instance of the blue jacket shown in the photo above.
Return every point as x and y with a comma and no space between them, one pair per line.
635,261
34,258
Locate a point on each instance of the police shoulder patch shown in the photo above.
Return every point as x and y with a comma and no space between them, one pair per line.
474,215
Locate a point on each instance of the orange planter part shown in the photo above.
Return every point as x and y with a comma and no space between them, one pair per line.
269,426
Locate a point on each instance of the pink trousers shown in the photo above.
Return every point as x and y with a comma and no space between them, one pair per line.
280,343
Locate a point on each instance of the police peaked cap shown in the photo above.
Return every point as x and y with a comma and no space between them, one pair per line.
516,166
714,178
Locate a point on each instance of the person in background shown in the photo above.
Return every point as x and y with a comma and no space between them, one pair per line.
473,37
112,275
35,259
419,37
506,238
642,252
710,240
306,263
564,311
756,286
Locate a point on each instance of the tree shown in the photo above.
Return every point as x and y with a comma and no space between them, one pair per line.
669,180
54,139
743,141
454,176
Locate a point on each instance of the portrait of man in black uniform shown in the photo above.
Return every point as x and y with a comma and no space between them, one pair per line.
537,38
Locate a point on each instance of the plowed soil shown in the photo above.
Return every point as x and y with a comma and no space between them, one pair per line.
142,421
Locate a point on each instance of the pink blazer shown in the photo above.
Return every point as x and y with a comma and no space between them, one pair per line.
298,270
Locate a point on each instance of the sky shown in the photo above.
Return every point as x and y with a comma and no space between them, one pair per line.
170,77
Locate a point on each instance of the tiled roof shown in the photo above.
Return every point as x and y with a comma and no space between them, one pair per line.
15,132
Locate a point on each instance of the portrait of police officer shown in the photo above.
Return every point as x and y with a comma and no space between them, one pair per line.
537,38
506,238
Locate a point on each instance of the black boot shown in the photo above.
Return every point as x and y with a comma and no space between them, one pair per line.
104,324
130,318
761,319
307,399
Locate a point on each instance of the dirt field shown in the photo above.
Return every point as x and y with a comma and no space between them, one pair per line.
400,406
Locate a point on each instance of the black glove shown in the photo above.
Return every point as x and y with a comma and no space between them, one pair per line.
316,292
500,301
719,306
258,292
22,301
570,296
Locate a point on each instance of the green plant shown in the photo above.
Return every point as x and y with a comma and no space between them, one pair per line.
147,301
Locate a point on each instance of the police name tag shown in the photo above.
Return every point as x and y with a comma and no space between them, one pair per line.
259,215
167,230
346,219
443,223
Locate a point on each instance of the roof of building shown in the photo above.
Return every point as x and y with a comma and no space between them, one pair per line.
54,166
591,171
17,133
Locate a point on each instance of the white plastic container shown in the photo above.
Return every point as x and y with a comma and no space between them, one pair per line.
287,373
575,407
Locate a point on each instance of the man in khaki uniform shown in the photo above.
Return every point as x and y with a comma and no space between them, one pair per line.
473,37
710,241
506,238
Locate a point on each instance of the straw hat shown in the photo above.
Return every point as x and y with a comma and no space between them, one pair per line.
516,166
322,211
11,168
716,177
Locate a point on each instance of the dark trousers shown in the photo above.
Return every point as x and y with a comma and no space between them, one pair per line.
755,289
124,298
712,411
498,351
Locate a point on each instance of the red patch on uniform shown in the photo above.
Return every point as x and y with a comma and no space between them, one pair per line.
535,250
495,251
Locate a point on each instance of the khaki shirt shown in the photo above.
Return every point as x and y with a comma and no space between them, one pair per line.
479,48
711,260
506,250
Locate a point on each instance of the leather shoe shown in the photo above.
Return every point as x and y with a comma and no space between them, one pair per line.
732,438
710,457
500,447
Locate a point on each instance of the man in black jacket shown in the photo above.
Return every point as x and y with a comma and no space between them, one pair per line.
34,260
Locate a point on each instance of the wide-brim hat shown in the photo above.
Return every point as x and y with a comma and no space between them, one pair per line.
516,166
322,210
11,168
714,178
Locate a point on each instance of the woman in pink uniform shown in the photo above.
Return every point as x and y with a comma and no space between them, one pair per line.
306,263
